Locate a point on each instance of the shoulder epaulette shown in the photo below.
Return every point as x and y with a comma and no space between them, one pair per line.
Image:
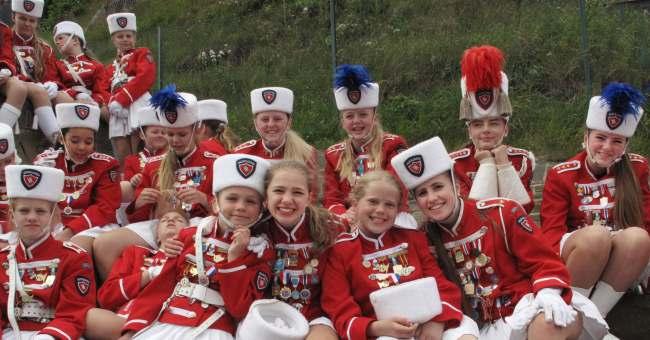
335,147
637,158
491,203
101,157
567,166
462,153
72,246
390,136
512,151
208,154
347,236
50,153
246,145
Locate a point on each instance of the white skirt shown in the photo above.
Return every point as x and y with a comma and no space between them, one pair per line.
515,326
8,333
120,127
168,331
94,232
467,327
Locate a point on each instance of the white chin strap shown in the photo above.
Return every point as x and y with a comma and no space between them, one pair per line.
232,226
67,42
593,160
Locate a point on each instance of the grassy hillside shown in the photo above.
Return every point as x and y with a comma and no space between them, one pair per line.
413,50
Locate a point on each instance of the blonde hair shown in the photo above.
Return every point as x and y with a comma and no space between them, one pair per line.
347,166
296,149
360,188
225,135
167,171
321,222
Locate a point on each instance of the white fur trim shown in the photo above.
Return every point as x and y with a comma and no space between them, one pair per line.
272,99
213,109
30,7
421,162
368,97
239,170
72,28
121,22
32,181
77,115
597,119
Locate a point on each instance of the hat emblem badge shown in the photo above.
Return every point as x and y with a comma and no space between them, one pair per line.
415,165
122,21
613,120
82,111
246,167
269,96
484,98
354,96
30,178
29,5
171,116
4,145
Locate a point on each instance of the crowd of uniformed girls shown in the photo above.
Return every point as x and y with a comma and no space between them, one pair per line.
187,233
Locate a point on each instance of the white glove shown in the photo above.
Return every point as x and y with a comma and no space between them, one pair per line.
117,110
406,221
43,337
258,245
5,73
51,88
154,271
550,301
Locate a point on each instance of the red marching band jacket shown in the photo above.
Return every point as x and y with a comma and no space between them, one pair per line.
195,171
134,164
500,256
92,189
123,283
213,145
24,52
573,197
7,57
88,76
358,265
4,208
337,189
130,76
239,283
61,285
466,166
298,270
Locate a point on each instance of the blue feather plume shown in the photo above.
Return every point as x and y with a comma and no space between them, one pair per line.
351,76
167,99
623,98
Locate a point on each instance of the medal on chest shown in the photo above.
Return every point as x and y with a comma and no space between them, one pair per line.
388,266
295,271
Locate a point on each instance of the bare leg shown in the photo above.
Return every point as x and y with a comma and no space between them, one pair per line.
109,246
16,92
630,254
103,324
539,328
62,97
121,148
586,253
318,332
85,242
135,142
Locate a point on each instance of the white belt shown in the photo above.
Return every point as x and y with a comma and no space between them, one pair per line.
34,310
198,292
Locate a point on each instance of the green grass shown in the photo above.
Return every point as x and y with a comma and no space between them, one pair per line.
411,47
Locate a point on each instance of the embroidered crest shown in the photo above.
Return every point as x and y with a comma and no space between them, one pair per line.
30,178
83,285
29,5
354,96
415,165
523,223
246,167
484,98
122,21
4,145
613,120
269,96
171,116
82,111
261,281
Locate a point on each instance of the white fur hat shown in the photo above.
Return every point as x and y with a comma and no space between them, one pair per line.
421,162
30,7
32,181
353,88
77,115
213,109
272,319
239,170
7,143
272,99
417,300
121,22
618,110
72,28
180,116
147,116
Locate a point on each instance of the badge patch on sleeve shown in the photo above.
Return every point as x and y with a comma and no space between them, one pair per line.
114,175
82,284
523,223
261,281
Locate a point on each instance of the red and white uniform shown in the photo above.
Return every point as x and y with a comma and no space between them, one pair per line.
355,259
466,166
92,189
239,283
134,164
24,52
573,197
501,256
7,57
337,189
130,76
214,145
123,282
91,73
61,279
298,269
4,208
195,170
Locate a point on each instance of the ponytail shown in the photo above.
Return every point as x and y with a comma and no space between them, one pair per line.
225,135
167,171
628,208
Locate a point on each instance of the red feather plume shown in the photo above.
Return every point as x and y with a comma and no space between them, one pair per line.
481,66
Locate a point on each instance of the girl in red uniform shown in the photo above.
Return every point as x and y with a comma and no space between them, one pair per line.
130,77
486,167
272,115
596,206
377,255
214,134
202,293
7,157
14,90
302,235
133,271
367,146
185,173
49,284
83,78
516,286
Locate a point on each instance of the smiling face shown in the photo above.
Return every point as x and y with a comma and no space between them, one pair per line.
287,196
79,144
377,208
487,133
358,123
436,197
155,137
604,147
24,24
31,217
240,205
272,126
123,40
